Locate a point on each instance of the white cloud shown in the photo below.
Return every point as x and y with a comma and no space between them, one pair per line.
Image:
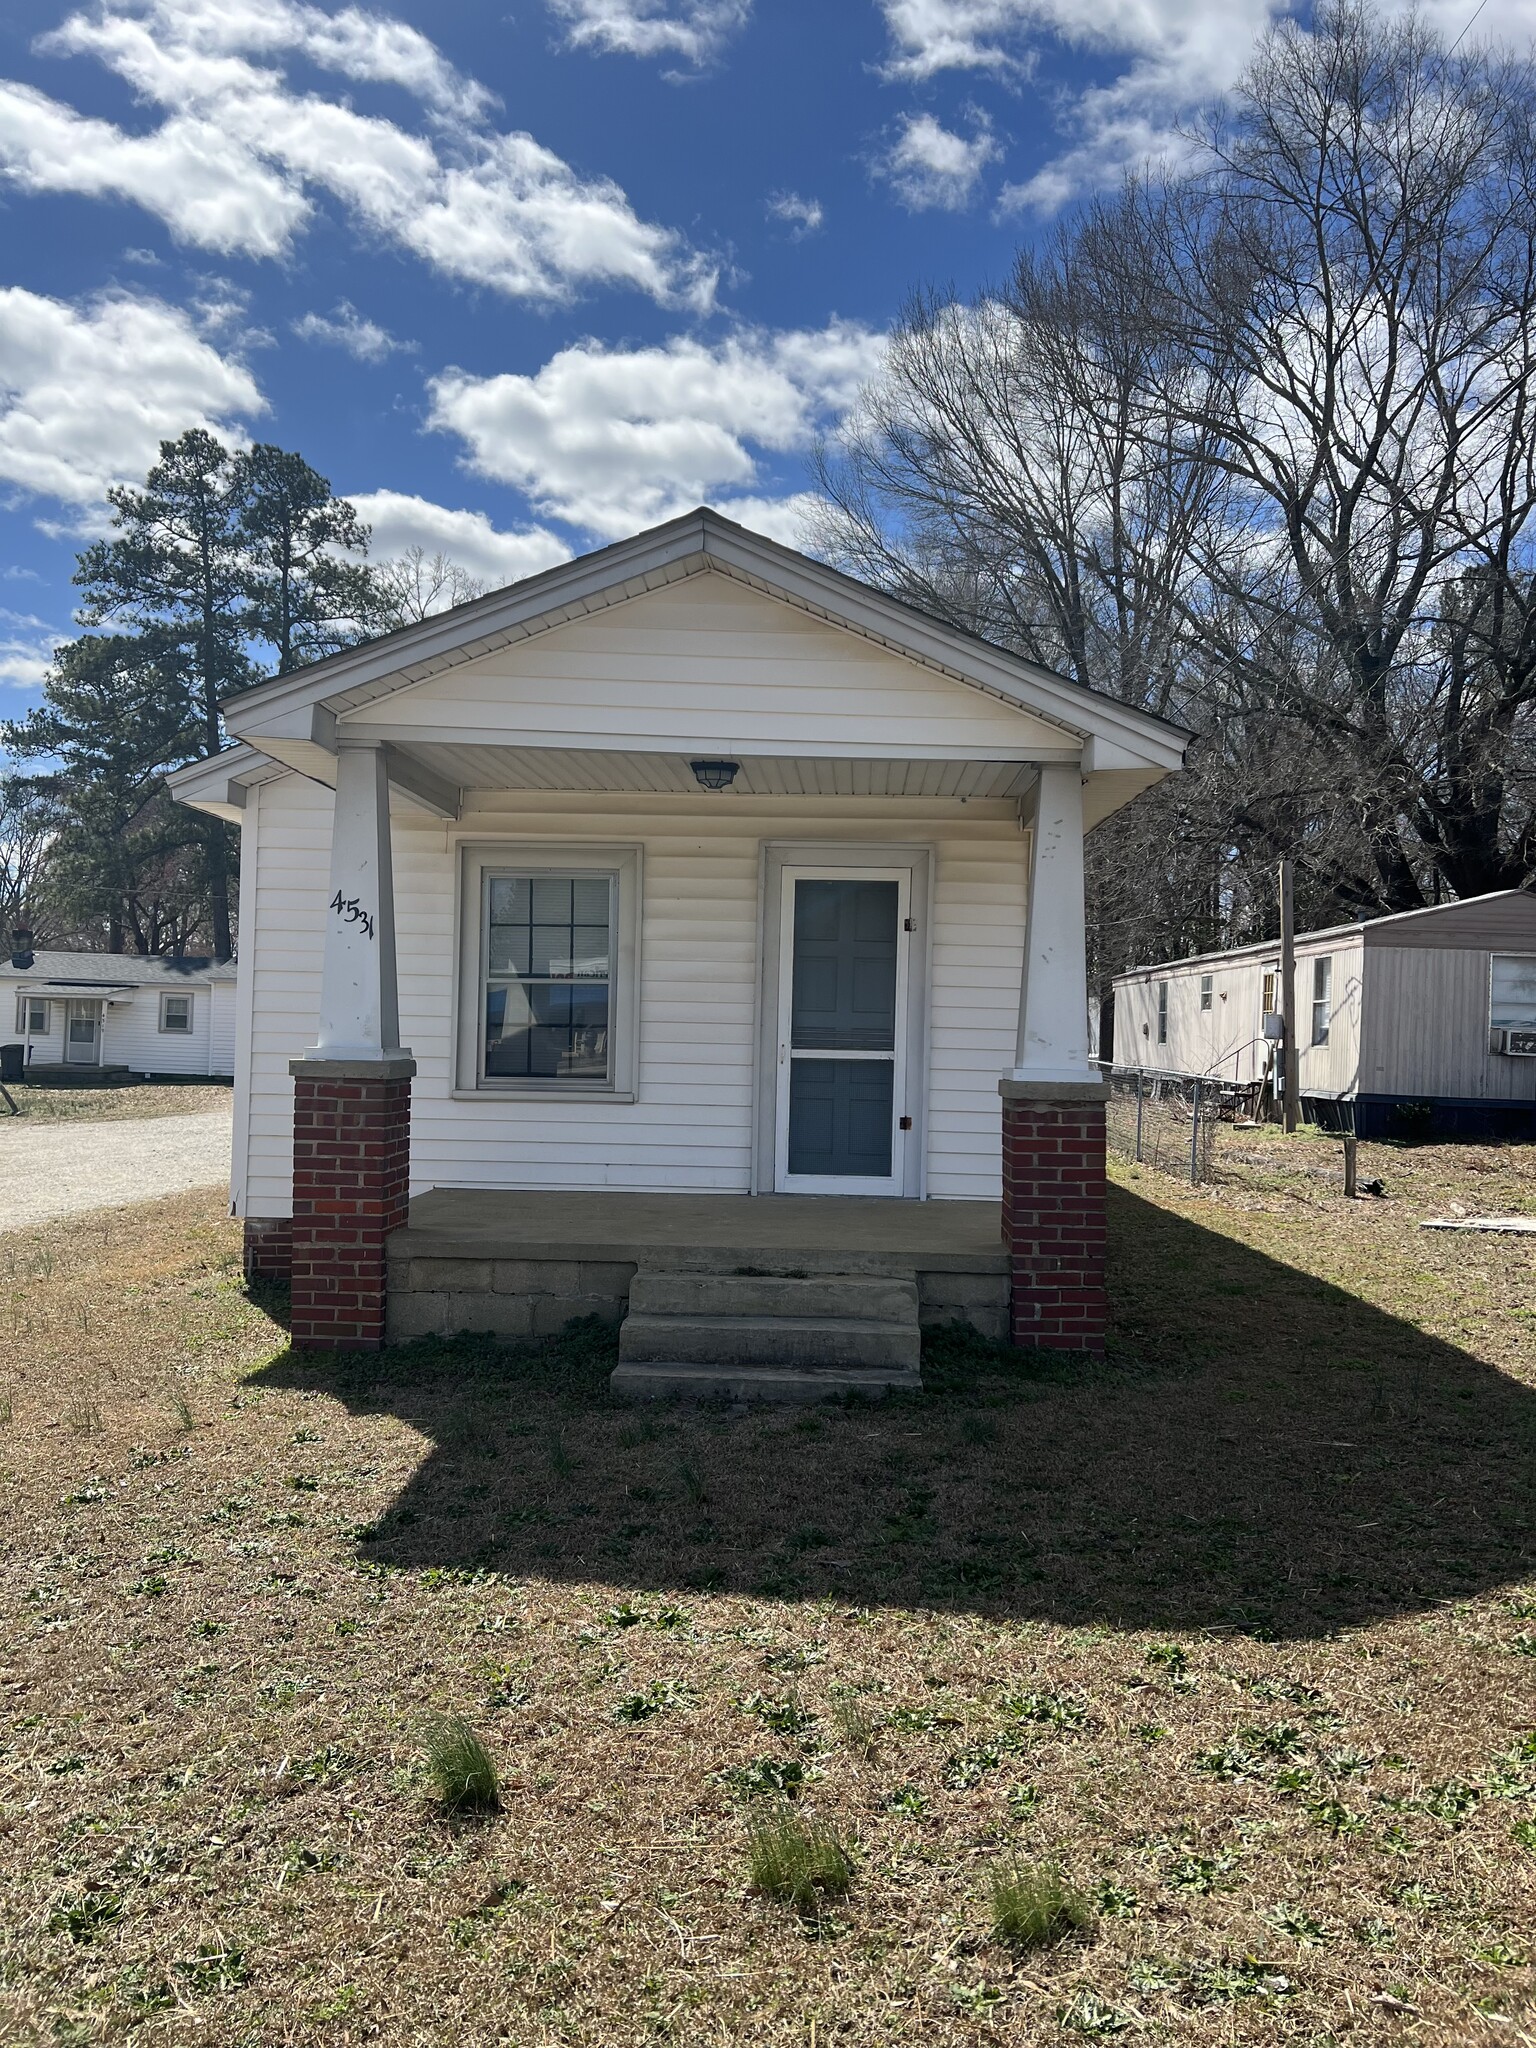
346,328
238,161
616,439
695,30
27,647
400,522
789,520
801,216
931,167
88,394
1173,55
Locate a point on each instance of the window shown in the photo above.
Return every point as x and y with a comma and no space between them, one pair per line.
1322,993
1269,1005
1207,983
32,1016
549,977
1162,1013
547,995
1512,992
176,1014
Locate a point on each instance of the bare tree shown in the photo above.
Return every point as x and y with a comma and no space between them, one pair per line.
416,585
1253,448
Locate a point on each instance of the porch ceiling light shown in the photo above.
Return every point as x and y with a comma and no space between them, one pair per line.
715,774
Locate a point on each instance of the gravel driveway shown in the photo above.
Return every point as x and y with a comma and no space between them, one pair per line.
60,1169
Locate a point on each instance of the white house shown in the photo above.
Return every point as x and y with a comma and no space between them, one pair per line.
668,894
78,1015
1422,1021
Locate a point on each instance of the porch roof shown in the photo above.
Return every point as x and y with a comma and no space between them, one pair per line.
296,720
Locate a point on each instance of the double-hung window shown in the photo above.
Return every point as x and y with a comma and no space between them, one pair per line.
32,1016
1207,990
1322,998
176,1014
548,979
1162,1013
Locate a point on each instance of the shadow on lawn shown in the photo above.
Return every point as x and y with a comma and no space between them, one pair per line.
1261,1452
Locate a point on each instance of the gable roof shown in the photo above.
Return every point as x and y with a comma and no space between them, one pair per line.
697,542
66,971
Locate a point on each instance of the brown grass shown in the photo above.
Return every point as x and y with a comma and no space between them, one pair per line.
1237,1628
112,1105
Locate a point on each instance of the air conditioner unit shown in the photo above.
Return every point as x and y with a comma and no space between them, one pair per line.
1520,1045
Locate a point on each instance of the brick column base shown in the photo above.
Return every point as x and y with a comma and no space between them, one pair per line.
351,1175
268,1247
1053,1212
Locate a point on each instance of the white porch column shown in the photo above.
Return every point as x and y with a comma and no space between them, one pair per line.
1053,998
359,1004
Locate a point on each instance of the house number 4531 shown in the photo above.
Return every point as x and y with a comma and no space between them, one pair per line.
352,912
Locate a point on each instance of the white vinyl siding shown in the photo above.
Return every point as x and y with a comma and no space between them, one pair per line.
1427,1028
703,657
691,1128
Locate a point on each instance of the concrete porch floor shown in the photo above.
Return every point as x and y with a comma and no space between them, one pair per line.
524,1264
819,1232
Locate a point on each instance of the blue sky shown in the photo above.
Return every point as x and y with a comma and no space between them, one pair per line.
522,281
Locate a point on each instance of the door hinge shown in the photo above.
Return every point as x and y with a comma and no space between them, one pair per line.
905,1124
909,924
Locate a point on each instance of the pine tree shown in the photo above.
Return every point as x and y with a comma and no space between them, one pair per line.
305,599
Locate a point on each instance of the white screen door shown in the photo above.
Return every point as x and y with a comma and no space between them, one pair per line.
82,1034
844,937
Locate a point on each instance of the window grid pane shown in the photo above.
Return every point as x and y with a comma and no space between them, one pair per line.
549,978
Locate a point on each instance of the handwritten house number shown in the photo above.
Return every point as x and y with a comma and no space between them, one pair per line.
348,908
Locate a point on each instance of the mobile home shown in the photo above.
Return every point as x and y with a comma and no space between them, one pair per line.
1422,1021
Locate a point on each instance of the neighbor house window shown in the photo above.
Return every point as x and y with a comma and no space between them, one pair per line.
1512,992
1162,1013
32,1016
1207,983
176,1014
548,1000
1322,998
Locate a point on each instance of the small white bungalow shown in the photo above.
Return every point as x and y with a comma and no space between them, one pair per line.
79,1016
1420,1022
714,895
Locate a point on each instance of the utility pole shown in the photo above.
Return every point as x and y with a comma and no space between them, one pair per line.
1289,1055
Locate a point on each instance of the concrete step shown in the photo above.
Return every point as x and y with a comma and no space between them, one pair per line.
664,1382
825,1297
807,1343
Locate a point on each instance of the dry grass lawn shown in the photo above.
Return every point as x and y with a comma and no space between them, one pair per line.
112,1105
1238,1628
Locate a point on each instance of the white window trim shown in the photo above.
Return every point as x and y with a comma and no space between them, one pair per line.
481,857
24,1024
167,996
1160,1012
1207,993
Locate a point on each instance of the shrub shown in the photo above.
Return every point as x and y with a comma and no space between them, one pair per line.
1034,1904
461,1765
801,1862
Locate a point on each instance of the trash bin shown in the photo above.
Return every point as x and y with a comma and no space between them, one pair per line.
11,1062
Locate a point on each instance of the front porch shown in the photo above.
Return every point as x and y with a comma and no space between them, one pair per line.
525,1264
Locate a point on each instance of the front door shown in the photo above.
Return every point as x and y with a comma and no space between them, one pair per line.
82,1035
841,1067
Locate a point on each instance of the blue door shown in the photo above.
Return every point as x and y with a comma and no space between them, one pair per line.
841,1032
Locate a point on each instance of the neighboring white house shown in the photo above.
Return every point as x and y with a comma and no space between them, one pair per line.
1434,1007
691,866
84,1012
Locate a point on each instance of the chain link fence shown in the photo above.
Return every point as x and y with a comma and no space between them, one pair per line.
1175,1122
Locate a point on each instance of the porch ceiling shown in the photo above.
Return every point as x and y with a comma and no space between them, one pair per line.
583,768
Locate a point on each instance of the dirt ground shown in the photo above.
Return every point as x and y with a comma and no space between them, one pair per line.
1239,1626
